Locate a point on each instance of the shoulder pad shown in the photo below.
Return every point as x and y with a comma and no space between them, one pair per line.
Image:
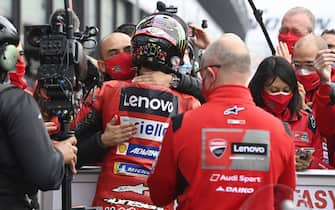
177,121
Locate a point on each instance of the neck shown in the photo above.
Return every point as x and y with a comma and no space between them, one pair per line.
234,78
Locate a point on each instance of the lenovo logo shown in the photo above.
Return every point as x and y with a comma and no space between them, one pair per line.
135,99
249,148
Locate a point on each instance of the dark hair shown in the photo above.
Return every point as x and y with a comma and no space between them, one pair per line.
126,28
268,70
328,31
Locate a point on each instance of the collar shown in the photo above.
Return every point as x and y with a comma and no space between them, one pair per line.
231,92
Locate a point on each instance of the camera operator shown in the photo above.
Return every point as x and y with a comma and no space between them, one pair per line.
28,160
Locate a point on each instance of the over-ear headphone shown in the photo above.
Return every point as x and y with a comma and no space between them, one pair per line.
9,39
8,57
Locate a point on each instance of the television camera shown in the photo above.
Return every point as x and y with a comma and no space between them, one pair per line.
63,69
62,73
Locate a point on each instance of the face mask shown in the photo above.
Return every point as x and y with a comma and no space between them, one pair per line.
290,39
276,103
120,67
310,81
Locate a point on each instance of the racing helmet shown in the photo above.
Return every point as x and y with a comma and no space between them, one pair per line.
159,42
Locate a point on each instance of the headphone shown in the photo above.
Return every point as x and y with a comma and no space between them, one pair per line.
8,57
9,39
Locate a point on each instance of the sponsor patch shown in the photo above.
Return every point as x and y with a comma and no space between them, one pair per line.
235,149
142,100
233,110
139,189
249,148
117,201
147,129
136,150
301,136
217,147
130,169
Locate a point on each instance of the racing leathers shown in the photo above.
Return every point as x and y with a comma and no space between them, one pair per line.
28,161
125,167
216,156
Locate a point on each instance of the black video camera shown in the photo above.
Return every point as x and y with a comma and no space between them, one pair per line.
63,64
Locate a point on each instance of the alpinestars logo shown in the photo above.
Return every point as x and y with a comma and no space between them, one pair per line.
217,147
233,110
156,102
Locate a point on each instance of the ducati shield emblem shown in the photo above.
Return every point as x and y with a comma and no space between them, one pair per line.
217,147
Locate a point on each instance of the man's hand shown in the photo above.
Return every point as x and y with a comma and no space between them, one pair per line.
302,93
69,150
282,50
154,78
322,64
201,38
116,134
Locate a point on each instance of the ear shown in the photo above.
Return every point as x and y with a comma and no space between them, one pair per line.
213,73
101,66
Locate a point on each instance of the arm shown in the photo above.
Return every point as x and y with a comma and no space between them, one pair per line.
163,181
325,97
41,163
88,133
325,110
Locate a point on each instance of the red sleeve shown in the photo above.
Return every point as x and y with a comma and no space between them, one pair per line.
162,181
324,113
318,159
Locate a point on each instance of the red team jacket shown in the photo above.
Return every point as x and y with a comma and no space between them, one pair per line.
125,168
325,115
233,150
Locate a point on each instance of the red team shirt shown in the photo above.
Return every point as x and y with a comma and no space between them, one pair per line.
233,150
125,168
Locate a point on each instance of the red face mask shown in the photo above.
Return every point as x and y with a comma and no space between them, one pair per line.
310,81
290,39
120,67
276,103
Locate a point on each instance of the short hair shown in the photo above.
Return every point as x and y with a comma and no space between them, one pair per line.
309,39
61,12
307,12
328,31
268,70
126,28
227,57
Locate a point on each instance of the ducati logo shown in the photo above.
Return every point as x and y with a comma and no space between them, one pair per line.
217,147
